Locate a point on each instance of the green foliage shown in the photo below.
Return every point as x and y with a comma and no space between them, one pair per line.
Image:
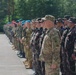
29,9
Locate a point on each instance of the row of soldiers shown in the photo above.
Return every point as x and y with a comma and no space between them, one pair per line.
48,44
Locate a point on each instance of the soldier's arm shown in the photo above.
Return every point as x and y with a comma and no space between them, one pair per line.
56,50
46,49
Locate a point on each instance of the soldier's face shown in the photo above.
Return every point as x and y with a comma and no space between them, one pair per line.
33,26
41,24
59,24
37,24
48,24
70,24
28,25
24,26
65,22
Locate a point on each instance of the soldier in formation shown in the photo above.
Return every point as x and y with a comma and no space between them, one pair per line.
48,44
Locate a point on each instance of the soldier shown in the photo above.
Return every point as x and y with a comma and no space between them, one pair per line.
69,48
19,37
65,20
23,36
13,32
60,26
27,49
34,42
51,48
37,48
9,32
62,50
42,63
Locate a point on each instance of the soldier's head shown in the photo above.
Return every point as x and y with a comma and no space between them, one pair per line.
38,21
28,25
19,22
33,24
49,21
72,22
24,26
41,23
59,22
65,19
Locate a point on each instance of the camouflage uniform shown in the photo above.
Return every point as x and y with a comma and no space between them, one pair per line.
13,32
9,33
27,49
23,37
19,37
16,37
50,51
32,45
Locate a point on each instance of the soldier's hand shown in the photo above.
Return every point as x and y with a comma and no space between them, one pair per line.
53,66
22,38
27,46
15,35
17,39
73,56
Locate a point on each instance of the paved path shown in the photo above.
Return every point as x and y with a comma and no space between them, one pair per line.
10,64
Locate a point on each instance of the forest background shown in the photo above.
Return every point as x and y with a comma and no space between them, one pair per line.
30,9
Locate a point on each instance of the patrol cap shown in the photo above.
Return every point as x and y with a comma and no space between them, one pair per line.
73,20
60,20
38,20
50,17
67,17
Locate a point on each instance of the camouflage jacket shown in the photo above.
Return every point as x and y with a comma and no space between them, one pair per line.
51,47
19,32
28,36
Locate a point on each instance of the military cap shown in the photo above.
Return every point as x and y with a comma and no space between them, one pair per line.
73,20
60,20
50,17
67,17
40,20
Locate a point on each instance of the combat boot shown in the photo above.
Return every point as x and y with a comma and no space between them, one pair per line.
29,66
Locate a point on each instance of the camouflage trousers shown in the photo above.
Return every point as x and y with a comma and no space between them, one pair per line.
15,43
49,71
28,53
